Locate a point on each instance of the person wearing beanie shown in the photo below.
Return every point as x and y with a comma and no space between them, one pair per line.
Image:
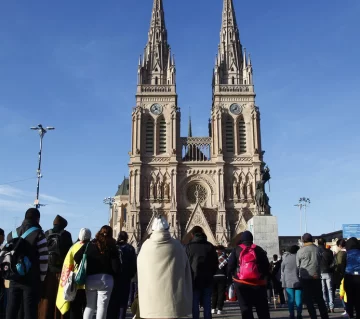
250,286
26,291
74,309
164,275
308,261
59,242
120,295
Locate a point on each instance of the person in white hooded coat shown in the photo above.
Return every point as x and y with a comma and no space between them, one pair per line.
164,276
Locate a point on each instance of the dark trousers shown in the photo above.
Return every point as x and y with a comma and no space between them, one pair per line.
27,296
119,299
252,296
2,299
279,290
313,294
352,288
218,293
202,296
133,291
77,307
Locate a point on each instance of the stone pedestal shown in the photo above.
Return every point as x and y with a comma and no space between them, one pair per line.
265,232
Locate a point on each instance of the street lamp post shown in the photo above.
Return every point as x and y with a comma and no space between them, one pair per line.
109,201
304,201
42,131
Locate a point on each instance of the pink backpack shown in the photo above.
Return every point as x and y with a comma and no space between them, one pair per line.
248,267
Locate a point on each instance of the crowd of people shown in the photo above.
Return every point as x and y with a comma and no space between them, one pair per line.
47,276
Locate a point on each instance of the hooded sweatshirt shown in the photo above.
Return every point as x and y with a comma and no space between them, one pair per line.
353,257
66,242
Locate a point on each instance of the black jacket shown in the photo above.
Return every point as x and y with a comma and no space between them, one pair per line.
261,257
128,256
203,261
327,261
98,263
36,251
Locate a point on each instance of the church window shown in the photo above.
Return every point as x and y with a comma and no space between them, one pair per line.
242,136
149,141
229,135
156,80
196,193
233,80
162,136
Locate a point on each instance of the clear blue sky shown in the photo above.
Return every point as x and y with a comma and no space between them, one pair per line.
73,65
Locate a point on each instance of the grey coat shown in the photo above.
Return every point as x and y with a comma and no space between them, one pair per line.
308,261
290,272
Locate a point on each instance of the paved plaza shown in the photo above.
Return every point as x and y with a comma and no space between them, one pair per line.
232,310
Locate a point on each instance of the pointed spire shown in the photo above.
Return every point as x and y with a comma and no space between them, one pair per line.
190,127
230,49
244,65
157,51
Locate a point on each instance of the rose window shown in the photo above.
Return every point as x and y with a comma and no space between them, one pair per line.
196,193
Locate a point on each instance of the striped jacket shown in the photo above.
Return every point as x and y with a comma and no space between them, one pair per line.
37,252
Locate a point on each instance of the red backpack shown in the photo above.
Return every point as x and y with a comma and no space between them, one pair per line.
248,266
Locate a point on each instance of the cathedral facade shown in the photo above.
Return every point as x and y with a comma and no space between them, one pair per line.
215,181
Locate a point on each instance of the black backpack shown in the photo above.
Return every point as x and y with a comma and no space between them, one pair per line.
14,261
56,256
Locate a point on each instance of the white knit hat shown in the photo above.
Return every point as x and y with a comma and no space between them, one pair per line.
160,223
85,234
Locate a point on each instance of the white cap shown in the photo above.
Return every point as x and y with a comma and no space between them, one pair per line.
85,234
160,223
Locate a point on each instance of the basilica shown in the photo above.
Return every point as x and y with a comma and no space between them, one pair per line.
215,181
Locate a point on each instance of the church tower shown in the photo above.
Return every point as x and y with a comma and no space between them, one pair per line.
155,133
215,181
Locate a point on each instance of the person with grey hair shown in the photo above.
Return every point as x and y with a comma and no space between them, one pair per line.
164,275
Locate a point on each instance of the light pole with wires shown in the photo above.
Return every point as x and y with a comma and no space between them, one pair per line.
304,202
42,131
109,201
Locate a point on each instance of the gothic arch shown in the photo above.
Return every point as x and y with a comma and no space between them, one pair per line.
228,133
162,134
241,132
199,178
149,131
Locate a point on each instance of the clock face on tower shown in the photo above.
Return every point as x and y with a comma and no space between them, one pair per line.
235,109
156,109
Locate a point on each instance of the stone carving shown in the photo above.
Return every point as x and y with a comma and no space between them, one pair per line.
261,198
196,193
236,88
166,191
235,99
159,159
152,189
249,194
158,191
155,88
157,99
241,159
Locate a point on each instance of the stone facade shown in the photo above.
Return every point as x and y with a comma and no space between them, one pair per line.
208,181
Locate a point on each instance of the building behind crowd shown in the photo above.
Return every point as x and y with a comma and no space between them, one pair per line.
285,242
208,181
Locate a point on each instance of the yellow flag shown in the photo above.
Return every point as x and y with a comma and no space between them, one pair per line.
69,265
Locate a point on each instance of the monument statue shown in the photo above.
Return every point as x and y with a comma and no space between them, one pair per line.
261,198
